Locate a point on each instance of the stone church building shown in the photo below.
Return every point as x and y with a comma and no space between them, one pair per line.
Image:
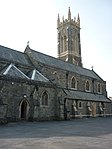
35,86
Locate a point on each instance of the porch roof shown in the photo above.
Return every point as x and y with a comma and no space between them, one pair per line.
73,94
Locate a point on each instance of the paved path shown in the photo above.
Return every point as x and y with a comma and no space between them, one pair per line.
93,133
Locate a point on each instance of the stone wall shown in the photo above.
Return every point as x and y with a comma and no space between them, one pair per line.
13,93
63,79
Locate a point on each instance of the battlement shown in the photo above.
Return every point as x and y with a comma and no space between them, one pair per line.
69,20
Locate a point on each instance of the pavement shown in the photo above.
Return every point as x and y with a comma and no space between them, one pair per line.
88,133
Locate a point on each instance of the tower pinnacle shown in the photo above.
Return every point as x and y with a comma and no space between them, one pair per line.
69,14
78,20
58,20
63,18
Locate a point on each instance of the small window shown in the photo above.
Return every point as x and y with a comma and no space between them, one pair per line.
87,86
73,83
45,99
80,105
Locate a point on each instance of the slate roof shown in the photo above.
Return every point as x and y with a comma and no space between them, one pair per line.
72,94
12,71
13,56
36,75
57,63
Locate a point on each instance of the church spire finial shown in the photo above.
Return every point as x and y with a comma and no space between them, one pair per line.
58,20
78,18
63,18
28,43
69,14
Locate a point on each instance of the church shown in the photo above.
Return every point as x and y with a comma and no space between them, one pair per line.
37,87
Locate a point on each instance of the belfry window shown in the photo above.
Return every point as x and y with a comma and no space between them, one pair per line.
73,83
45,99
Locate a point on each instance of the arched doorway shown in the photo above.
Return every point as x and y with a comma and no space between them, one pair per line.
24,110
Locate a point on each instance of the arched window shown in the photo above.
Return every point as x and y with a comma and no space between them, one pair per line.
45,99
99,88
73,83
87,86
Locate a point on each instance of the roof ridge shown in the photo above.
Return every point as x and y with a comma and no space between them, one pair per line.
60,64
13,56
60,60
97,75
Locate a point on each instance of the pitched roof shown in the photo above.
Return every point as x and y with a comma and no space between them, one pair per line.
36,75
60,64
12,71
13,56
72,94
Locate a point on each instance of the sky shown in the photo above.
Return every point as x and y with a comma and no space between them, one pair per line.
36,21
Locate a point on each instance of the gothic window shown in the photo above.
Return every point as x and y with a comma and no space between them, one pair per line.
87,86
73,83
99,88
45,99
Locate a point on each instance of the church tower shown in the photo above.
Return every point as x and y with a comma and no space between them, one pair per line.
69,46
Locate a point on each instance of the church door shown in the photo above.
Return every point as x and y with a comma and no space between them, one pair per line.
24,110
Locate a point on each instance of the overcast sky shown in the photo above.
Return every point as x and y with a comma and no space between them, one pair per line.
36,21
